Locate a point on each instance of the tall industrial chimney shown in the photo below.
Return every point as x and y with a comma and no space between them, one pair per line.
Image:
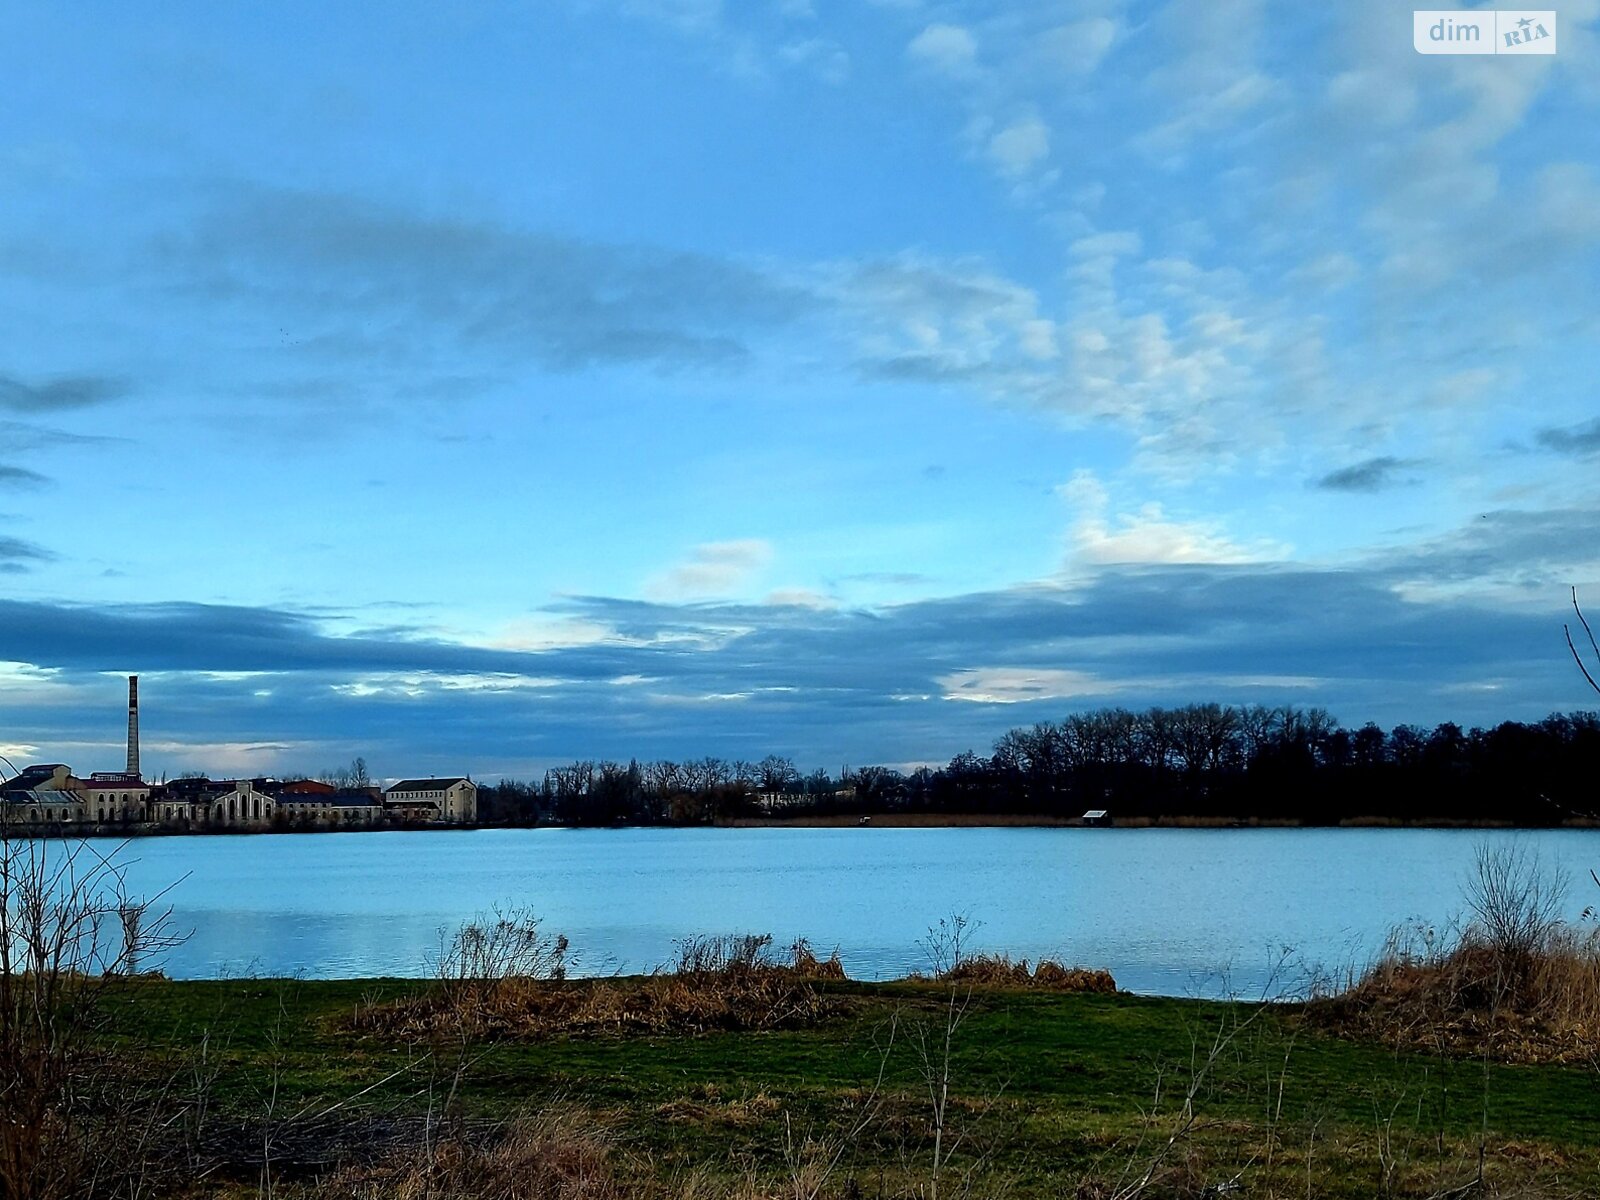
133,725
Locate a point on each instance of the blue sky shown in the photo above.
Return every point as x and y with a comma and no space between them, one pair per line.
481,386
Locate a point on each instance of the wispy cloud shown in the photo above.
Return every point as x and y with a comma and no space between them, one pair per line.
26,436
1581,440
948,48
1369,475
59,393
330,267
21,477
16,554
712,569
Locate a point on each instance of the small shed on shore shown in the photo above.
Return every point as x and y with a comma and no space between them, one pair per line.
1096,816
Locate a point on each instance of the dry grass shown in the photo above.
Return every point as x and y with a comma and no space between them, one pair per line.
556,1154
1519,984
706,1105
1000,970
716,983
1474,996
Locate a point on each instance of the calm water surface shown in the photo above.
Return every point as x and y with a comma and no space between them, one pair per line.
1175,912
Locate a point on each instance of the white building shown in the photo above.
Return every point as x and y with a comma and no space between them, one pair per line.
241,806
454,799
331,810
114,797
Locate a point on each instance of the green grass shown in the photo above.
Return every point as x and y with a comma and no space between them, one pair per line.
1048,1088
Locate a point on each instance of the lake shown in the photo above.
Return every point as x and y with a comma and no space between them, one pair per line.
1168,911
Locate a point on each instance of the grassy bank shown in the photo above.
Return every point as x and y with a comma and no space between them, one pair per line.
1049,1094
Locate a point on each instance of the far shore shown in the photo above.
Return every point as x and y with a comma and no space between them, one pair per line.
1026,821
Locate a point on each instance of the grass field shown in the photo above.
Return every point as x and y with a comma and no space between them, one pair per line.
1049,1095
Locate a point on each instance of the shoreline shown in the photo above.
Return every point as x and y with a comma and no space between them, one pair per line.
1025,821
835,821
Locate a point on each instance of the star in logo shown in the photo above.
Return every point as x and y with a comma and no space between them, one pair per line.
1525,22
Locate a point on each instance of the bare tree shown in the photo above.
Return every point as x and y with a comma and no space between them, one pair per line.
1593,646
775,774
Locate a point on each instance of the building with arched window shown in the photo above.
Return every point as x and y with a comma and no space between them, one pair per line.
114,797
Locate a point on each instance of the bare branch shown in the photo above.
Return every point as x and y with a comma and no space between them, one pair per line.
1576,657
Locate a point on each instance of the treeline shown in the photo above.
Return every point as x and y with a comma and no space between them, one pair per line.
1198,761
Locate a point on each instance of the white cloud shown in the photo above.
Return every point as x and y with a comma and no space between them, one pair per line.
1327,272
1372,97
689,15
549,633
953,319
1209,113
1209,79
1462,389
712,569
827,60
1567,202
1146,536
1037,339
1079,46
800,598
1020,146
948,48
1019,685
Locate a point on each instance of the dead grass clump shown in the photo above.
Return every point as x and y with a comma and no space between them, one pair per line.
714,983
557,1154
1475,996
807,965
989,970
1000,970
1074,979
705,1105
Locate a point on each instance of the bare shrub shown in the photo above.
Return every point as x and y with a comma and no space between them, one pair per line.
505,946
703,954
1516,899
70,932
945,945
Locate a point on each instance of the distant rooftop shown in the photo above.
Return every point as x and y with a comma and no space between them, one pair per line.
34,773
